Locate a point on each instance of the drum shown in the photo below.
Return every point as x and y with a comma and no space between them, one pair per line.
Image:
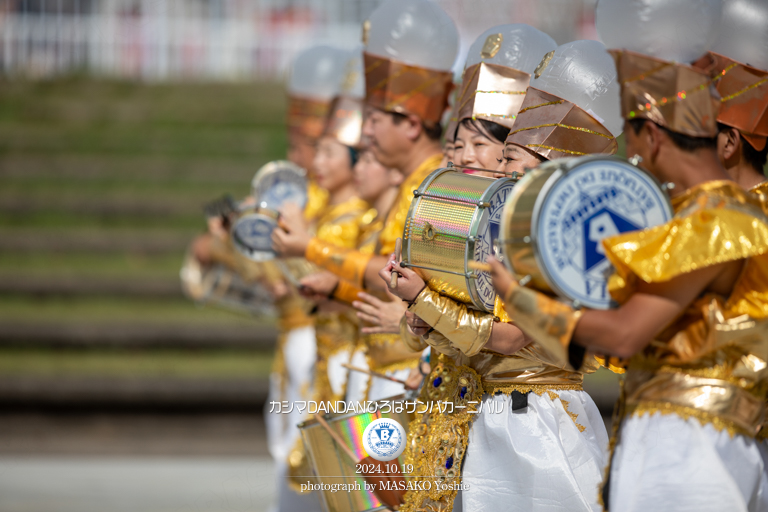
218,285
274,185
454,218
556,217
333,466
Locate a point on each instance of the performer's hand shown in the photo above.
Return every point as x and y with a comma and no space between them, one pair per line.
291,237
318,286
502,279
384,315
216,227
201,248
417,326
409,284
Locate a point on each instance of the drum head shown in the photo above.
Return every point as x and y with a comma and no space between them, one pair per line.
252,236
278,183
485,241
592,198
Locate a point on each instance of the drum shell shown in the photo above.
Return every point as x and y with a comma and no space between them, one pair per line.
329,460
516,243
440,234
265,252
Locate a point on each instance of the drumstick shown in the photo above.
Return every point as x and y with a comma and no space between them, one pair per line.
372,373
479,265
398,253
336,437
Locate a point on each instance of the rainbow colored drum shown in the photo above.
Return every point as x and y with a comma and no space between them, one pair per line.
555,220
454,219
333,466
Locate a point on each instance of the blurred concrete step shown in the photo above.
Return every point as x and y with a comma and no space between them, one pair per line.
58,285
134,393
145,242
132,335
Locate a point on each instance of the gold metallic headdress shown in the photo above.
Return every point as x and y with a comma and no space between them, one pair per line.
491,92
744,96
675,96
345,121
394,86
307,116
556,128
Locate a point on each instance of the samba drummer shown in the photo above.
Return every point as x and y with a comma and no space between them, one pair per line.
696,341
377,185
549,424
407,82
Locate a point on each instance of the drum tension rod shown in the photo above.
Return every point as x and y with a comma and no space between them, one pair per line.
462,274
483,204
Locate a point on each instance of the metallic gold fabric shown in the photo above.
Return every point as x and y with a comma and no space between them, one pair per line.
395,221
491,92
468,330
307,116
437,441
676,96
555,128
394,86
387,351
345,121
346,292
712,362
743,96
349,264
415,343
317,199
761,189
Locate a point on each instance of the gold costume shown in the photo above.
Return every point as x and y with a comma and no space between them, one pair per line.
385,352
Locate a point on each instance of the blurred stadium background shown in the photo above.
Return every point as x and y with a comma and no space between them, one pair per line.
119,119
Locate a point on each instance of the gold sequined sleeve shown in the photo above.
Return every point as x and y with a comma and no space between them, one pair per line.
467,330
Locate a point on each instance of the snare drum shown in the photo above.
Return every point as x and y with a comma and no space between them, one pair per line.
274,185
555,219
333,466
454,218
218,285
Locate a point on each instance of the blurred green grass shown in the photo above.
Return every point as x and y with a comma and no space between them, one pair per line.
86,159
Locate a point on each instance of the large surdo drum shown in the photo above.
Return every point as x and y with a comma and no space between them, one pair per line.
556,217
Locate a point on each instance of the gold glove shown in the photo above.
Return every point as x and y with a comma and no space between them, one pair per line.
466,330
413,342
348,264
346,292
549,322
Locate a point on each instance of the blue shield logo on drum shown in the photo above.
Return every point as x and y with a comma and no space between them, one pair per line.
591,202
384,439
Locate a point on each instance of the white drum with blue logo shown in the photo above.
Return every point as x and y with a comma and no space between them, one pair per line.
558,214
454,219
274,185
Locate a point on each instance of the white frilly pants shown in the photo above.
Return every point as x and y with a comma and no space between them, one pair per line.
664,462
535,459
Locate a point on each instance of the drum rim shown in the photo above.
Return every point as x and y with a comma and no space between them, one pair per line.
564,166
242,248
470,275
275,167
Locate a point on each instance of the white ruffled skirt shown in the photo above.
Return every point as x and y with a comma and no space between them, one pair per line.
663,462
535,459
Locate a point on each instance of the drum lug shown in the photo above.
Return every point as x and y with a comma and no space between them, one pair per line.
666,187
576,305
484,205
635,160
525,280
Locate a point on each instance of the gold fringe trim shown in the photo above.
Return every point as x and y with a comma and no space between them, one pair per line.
561,150
666,408
540,389
561,125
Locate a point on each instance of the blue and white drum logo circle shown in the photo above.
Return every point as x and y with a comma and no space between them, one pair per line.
487,234
593,201
384,439
254,231
280,188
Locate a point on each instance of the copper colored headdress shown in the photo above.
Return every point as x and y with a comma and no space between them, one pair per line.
556,128
744,96
345,120
675,96
398,87
491,92
306,117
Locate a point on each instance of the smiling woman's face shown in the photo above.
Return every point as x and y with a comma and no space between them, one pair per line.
474,148
518,159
